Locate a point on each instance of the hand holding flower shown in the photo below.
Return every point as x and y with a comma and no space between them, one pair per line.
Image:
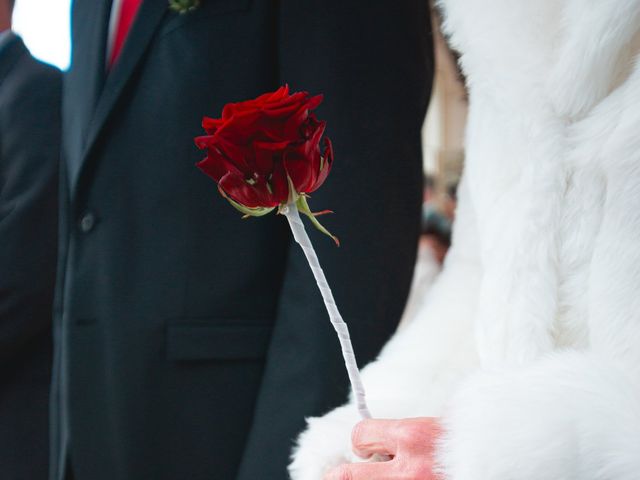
409,444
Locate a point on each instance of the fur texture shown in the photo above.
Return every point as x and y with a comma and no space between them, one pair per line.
529,348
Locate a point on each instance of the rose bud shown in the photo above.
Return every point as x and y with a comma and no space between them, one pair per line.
265,153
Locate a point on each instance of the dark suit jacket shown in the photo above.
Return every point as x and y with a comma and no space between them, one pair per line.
192,344
29,157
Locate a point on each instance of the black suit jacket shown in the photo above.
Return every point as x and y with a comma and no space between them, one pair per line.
29,157
192,344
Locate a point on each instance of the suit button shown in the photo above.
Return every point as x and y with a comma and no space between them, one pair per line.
87,222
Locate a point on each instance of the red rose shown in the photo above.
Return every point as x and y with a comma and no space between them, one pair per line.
264,153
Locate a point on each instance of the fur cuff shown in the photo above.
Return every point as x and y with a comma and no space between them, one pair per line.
571,416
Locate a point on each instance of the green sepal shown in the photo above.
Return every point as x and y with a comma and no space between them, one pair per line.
303,207
247,211
293,195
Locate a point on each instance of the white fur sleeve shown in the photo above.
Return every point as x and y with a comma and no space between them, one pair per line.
572,415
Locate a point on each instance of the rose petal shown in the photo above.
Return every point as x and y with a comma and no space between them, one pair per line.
240,155
298,164
264,154
241,125
216,165
311,126
204,141
286,106
281,92
232,109
293,125
251,196
303,161
327,162
210,125
279,183
314,101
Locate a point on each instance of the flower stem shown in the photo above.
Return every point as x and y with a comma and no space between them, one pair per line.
301,237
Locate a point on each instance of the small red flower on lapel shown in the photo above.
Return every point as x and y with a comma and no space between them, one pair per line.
183,6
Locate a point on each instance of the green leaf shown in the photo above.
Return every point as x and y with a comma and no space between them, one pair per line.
303,207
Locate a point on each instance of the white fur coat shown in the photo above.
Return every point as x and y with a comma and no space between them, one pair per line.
529,349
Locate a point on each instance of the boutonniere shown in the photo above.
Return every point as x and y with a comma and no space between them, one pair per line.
183,6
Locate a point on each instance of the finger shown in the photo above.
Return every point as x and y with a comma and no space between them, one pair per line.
415,468
373,436
363,471
417,435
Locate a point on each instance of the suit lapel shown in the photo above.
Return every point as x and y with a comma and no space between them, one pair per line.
95,61
141,33
90,29
9,55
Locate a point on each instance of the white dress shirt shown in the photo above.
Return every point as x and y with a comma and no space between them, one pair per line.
116,5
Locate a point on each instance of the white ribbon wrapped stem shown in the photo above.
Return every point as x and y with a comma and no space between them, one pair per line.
301,237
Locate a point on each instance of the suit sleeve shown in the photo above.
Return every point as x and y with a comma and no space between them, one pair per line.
29,142
373,62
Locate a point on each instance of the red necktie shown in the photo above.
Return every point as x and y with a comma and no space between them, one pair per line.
128,11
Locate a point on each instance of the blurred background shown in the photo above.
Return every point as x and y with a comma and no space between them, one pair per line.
44,27
443,131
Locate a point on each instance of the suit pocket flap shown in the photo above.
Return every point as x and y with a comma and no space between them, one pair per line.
224,342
